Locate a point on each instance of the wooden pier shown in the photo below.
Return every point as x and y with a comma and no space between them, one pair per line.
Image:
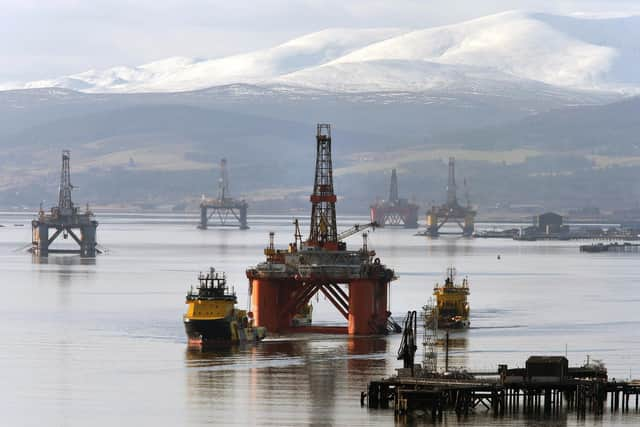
467,396
546,387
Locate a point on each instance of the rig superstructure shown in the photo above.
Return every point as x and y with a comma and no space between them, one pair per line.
64,218
354,281
224,207
451,211
395,211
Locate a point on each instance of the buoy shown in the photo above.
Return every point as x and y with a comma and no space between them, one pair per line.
498,256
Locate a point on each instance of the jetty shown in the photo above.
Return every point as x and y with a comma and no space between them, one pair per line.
611,247
546,386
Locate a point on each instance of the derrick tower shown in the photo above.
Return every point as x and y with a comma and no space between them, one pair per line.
452,188
64,219
65,205
224,208
393,187
395,211
354,281
451,211
223,182
324,230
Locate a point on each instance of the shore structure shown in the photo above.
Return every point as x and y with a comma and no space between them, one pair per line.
546,385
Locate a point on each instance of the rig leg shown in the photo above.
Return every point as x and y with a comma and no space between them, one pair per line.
40,239
88,241
268,302
432,224
367,307
243,218
203,218
469,225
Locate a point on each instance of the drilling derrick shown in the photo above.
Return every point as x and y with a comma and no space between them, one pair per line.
224,207
393,187
395,211
451,211
65,205
323,231
354,281
64,219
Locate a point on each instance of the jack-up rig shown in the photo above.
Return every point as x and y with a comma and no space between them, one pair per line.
64,218
395,211
437,216
224,207
289,278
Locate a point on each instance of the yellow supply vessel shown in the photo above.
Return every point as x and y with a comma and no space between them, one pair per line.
451,306
211,315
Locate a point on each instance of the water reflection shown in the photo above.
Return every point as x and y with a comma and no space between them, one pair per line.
450,246
64,269
301,377
373,348
62,260
457,349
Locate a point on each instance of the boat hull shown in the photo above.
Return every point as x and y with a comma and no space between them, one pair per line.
208,330
220,331
453,324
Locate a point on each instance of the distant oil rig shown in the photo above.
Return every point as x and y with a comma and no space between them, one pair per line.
451,211
395,211
64,218
282,285
224,207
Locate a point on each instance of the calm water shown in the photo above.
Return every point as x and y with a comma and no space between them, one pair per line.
101,342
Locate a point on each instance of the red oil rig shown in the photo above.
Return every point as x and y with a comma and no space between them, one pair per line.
354,281
395,211
224,207
451,211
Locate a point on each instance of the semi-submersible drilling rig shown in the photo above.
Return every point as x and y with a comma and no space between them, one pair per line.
64,219
354,281
451,211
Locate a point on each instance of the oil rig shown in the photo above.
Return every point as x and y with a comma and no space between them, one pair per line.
395,211
451,211
64,218
224,207
354,281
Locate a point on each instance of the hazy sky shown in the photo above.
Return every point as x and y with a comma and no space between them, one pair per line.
49,38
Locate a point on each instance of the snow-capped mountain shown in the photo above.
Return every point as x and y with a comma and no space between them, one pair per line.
573,52
181,74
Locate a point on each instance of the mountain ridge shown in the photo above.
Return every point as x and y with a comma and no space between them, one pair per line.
515,46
